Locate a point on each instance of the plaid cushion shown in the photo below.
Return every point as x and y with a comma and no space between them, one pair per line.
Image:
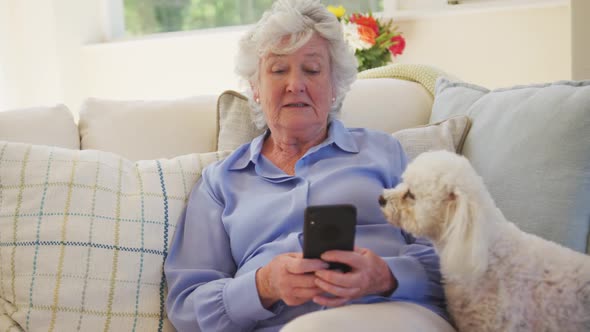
84,234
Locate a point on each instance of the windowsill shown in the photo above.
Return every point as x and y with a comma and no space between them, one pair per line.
398,15
176,34
472,8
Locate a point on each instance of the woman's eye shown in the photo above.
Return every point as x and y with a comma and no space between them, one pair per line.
311,69
277,69
409,195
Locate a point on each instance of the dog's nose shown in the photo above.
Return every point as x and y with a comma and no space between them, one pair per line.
382,200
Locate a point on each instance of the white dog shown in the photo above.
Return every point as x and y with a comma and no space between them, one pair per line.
496,277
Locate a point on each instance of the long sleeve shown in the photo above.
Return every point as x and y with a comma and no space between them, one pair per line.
417,271
413,261
202,291
417,267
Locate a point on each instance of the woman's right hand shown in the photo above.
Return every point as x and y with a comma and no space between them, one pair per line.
286,277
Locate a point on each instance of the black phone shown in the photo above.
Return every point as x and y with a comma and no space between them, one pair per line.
329,227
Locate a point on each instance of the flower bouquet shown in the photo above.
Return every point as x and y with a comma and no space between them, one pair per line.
375,42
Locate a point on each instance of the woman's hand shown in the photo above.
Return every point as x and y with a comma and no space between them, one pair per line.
287,277
369,274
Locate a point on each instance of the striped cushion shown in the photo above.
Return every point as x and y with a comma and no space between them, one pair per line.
83,237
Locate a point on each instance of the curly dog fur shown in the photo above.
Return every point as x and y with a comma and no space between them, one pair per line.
496,277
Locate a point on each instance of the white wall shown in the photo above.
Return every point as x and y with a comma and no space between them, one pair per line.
492,48
40,47
54,51
167,66
76,23
28,54
495,48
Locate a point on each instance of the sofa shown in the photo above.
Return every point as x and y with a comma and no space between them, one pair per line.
88,207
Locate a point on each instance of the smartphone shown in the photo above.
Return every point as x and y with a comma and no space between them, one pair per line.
329,227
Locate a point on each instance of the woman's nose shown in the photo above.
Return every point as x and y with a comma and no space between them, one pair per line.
295,83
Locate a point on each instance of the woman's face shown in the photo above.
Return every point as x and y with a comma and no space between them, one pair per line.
295,90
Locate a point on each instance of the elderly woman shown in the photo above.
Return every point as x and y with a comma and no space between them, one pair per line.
235,263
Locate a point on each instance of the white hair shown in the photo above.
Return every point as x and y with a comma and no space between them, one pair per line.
298,20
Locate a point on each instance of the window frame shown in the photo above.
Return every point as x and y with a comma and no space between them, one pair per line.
113,13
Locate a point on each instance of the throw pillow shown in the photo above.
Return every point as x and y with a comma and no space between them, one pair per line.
84,234
531,145
444,135
234,123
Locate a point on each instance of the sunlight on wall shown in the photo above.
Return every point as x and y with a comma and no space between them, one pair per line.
507,48
496,48
166,66
58,54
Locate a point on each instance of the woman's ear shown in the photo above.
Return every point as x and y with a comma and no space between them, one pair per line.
255,93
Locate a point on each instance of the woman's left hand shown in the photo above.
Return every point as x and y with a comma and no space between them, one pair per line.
369,274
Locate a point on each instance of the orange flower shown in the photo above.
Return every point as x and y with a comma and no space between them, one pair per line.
374,41
366,21
367,34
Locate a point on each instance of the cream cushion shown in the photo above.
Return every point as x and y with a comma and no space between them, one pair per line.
404,104
40,125
395,316
531,145
84,234
149,129
366,105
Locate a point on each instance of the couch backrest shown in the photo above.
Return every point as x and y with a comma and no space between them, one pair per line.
386,104
151,129
50,125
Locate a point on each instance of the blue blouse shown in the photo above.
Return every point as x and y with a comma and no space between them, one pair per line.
244,211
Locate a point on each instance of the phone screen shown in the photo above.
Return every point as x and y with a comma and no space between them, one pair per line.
329,227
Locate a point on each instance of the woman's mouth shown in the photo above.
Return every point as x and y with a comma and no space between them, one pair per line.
296,105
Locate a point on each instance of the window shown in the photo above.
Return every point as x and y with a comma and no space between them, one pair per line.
154,16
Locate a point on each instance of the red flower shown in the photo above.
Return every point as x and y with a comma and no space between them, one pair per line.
399,44
367,21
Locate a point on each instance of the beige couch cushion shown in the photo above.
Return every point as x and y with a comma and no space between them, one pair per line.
84,234
143,129
40,125
384,104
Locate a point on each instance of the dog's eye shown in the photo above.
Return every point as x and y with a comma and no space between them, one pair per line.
409,195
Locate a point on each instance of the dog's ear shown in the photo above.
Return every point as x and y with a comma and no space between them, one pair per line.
465,240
